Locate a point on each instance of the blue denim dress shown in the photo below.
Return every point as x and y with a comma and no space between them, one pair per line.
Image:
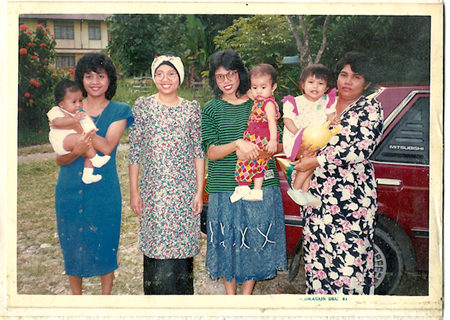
89,215
246,239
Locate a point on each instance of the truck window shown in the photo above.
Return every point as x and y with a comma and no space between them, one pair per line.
408,141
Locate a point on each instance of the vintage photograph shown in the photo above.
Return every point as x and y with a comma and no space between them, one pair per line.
291,153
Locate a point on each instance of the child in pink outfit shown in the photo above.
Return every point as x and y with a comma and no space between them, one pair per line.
262,130
315,107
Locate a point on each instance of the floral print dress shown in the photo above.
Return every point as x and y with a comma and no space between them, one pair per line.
164,141
338,236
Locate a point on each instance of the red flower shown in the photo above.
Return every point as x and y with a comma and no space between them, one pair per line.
40,131
47,28
45,59
55,75
31,101
23,51
20,109
37,71
43,45
37,84
39,26
23,27
32,81
27,95
52,35
71,72
29,44
34,57
29,33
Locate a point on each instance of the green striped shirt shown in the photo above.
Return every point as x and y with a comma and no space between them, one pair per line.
222,123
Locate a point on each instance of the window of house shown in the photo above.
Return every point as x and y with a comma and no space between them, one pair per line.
65,61
64,31
95,32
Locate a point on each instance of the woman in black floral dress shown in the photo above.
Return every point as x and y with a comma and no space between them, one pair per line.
338,236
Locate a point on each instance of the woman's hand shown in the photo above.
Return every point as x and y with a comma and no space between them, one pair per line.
198,203
82,145
245,150
305,151
306,164
136,203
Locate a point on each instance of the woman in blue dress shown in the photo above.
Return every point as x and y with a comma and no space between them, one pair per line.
89,215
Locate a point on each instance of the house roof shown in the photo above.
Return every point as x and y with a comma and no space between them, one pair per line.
87,17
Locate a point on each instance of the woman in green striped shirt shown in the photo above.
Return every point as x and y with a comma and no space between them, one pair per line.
246,239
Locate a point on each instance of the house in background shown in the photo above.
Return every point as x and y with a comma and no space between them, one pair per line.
75,34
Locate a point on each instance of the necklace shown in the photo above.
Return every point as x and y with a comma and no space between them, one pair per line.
99,116
101,112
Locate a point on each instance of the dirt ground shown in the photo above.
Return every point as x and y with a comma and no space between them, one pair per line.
128,278
411,285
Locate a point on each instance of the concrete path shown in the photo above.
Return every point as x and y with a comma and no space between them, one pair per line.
52,155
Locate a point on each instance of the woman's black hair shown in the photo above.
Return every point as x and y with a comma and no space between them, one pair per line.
230,60
319,71
62,87
95,61
359,63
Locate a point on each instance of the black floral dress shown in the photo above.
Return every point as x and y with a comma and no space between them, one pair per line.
338,236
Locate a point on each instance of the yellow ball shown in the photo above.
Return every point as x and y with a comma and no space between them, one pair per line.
318,135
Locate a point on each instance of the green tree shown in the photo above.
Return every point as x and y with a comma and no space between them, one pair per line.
36,77
258,39
303,40
200,34
198,50
398,45
137,38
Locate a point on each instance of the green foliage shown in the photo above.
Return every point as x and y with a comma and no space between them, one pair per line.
137,38
399,45
36,78
198,50
258,39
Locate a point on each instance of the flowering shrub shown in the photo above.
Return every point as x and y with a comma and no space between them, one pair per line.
37,77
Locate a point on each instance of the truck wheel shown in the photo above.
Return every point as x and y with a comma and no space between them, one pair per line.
388,263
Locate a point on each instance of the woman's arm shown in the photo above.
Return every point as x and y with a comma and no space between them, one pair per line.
200,170
135,196
82,145
107,144
306,164
246,149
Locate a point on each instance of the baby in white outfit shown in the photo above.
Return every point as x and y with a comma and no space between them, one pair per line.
69,98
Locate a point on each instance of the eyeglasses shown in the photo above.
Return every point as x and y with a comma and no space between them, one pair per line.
231,75
171,75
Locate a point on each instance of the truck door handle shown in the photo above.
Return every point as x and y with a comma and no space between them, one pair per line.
389,182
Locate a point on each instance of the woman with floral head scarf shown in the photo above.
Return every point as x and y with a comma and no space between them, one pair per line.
165,142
